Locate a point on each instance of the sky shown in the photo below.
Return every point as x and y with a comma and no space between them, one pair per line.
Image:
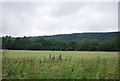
51,18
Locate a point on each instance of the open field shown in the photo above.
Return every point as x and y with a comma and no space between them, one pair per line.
20,64
74,54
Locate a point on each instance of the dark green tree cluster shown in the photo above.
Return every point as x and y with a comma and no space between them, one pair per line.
100,36
24,43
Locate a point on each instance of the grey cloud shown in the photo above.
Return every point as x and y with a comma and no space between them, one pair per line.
33,19
65,9
0,19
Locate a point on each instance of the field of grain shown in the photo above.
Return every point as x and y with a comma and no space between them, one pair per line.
21,64
74,54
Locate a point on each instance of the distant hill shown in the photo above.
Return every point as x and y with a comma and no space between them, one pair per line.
100,36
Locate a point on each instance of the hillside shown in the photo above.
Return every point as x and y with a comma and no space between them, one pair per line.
100,36
63,42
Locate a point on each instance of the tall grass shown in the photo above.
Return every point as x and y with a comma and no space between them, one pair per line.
52,67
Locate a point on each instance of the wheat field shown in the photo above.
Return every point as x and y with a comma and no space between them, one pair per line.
23,64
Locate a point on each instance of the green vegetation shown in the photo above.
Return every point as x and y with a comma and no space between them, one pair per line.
24,43
100,36
72,56
59,65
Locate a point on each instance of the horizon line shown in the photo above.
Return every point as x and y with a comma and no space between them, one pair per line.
62,34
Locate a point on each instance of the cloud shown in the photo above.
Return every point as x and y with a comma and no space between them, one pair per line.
37,19
0,19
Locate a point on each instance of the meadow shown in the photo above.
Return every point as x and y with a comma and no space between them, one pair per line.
21,64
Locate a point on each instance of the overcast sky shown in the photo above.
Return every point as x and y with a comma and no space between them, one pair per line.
50,18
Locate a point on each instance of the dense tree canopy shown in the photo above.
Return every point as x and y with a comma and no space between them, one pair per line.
100,36
24,43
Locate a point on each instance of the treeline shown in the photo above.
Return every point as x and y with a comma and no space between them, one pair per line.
24,43
100,36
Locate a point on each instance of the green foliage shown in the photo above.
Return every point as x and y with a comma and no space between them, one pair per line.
100,36
72,45
110,45
7,42
56,68
25,43
88,45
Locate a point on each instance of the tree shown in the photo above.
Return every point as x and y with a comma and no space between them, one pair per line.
7,42
88,45
72,45
21,43
109,45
